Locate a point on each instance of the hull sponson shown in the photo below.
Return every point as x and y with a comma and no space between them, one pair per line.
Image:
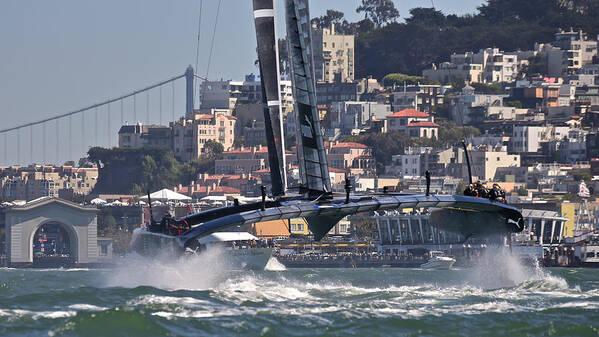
312,159
268,56
498,217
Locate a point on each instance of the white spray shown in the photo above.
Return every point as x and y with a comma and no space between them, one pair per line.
197,272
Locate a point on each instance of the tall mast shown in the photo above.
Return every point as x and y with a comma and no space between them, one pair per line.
312,158
268,56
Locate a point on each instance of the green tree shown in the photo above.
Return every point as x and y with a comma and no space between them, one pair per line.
331,17
213,148
522,191
515,104
379,11
492,88
400,79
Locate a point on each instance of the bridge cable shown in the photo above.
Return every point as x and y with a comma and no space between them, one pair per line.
94,105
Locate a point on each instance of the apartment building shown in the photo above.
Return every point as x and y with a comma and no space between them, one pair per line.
32,182
191,134
486,159
227,94
139,135
354,158
528,138
414,123
423,97
489,65
333,55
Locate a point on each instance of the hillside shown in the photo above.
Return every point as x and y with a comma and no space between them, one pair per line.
429,36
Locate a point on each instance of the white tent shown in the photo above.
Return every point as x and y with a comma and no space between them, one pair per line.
98,201
165,195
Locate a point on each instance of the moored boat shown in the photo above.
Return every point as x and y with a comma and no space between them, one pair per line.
438,260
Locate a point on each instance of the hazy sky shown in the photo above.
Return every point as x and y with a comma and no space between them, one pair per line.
60,55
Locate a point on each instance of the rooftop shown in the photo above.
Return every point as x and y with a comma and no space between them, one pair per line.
421,124
409,113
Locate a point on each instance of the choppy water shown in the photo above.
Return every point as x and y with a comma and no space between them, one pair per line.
193,298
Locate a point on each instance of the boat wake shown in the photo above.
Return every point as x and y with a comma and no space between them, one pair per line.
274,265
498,268
190,272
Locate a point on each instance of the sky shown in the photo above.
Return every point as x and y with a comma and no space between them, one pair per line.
60,55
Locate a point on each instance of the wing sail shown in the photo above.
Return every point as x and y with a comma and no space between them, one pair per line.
312,158
268,56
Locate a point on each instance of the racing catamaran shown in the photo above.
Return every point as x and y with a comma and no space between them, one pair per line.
465,215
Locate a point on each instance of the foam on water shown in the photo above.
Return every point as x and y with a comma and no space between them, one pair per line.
498,268
193,272
274,265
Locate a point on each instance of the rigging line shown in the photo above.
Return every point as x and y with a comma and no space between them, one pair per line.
173,100
57,141
198,43
44,143
6,149
96,130
160,110
213,35
82,132
108,129
134,111
18,146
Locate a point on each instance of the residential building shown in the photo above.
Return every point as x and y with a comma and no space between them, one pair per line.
448,72
333,55
351,157
139,135
537,95
420,97
354,117
528,138
413,123
191,134
489,65
242,160
578,50
486,159
228,94
328,93
32,182
468,107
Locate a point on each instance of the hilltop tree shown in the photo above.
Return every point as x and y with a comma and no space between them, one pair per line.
325,21
379,11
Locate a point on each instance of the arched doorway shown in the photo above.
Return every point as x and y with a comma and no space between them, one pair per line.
53,245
